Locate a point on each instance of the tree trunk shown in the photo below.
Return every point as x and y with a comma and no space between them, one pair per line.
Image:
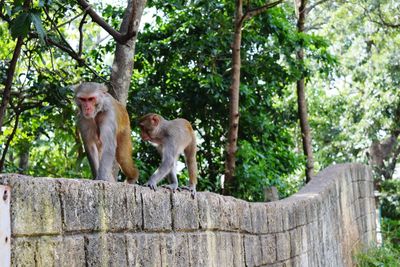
9,80
301,99
383,156
122,67
8,142
234,102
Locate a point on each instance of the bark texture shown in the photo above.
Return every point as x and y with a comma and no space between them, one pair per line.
240,18
230,162
9,80
123,61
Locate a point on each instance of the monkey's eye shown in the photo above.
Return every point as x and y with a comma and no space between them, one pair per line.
91,99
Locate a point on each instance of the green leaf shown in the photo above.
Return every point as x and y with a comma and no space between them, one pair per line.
20,26
37,22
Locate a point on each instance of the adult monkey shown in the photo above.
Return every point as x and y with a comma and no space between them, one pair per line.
171,139
105,130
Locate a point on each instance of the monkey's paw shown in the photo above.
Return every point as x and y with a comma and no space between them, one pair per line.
172,187
151,184
191,189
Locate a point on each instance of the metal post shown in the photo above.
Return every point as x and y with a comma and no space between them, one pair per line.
5,226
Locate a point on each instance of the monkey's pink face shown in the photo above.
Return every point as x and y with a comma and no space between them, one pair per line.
144,134
88,106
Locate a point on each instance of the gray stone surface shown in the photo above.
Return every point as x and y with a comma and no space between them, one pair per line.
71,222
83,205
35,205
157,213
185,212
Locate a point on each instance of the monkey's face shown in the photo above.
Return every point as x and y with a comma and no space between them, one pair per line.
89,105
148,127
145,132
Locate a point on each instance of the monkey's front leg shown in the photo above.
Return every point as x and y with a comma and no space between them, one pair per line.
109,144
173,186
167,164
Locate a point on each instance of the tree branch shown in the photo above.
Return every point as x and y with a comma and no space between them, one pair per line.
69,21
384,22
255,11
81,34
119,37
9,139
308,10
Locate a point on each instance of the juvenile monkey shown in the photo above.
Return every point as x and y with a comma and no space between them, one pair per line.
106,132
171,138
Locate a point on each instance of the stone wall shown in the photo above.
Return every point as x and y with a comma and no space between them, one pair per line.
67,222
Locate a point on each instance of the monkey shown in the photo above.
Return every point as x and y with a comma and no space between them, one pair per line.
171,138
104,125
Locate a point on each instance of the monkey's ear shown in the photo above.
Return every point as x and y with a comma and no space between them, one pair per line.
155,120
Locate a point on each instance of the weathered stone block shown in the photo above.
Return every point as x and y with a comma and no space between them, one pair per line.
144,250
252,250
311,210
185,213
35,205
97,250
106,250
282,246
48,251
198,249
300,213
244,214
355,191
259,218
209,210
295,242
122,207
230,220
72,252
83,204
364,189
157,215
23,251
274,217
268,248
225,250
287,216
181,250
238,249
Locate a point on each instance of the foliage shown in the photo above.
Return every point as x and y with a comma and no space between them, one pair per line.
391,232
183,69
41,93
390,199
386,255
359,102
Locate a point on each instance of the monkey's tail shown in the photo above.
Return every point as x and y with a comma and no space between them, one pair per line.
190,155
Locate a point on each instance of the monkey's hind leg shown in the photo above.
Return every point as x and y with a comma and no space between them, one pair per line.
124,158
191,163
